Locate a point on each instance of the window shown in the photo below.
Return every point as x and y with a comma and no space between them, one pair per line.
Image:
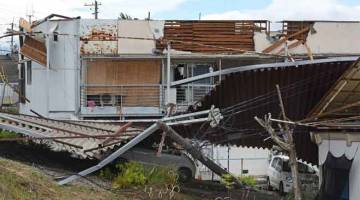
274,162
55,37
22,83
279,165
28,72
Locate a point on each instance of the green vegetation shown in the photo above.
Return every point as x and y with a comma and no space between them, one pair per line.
149,182
10,110
22,182
228,181
7,134
132,174
248,180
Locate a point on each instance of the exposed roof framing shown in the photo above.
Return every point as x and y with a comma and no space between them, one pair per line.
346,91
230,35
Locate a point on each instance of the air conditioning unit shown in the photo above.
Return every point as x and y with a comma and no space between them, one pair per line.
107,100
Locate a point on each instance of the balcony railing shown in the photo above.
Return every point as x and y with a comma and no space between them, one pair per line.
137,99
121,99
187,95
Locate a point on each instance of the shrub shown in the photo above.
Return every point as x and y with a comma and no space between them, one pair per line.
248,180
131,174
228,181
7,134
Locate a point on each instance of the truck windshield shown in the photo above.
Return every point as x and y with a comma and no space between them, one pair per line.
302,168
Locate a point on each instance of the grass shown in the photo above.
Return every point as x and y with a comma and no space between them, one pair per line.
22,182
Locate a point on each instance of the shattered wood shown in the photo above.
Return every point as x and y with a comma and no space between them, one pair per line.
228,34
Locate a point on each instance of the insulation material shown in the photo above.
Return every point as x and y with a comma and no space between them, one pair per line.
149,30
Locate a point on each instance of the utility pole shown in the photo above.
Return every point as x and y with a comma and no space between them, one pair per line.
30,14
168,74
285,141
96,8
12,38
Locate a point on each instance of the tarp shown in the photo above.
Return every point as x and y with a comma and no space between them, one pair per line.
335,181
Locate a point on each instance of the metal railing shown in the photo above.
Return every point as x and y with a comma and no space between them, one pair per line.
141,96
8,97
189,94
121,95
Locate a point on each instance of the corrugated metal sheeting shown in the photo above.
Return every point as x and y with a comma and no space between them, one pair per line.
243,95
82,139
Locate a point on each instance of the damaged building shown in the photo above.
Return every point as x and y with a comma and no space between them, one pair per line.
84,68
74,68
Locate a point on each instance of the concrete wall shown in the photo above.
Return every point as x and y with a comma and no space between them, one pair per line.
108,36
138,29
328,38
339,148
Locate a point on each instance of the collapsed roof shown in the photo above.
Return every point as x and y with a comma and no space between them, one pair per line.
246,94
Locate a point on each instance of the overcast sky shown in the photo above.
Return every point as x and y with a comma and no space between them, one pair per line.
274,10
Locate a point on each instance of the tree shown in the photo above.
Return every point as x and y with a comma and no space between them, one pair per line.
124,16
286,142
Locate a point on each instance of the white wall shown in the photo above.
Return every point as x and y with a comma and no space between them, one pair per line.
138,29
55,91
254,160
339,148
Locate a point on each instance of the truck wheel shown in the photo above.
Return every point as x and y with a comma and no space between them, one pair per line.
281,189
184,175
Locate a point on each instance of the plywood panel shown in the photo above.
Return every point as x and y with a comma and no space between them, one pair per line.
137,81
123,72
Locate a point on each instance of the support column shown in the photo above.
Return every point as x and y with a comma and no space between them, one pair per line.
168,78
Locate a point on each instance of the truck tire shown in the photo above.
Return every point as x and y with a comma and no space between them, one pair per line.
184,175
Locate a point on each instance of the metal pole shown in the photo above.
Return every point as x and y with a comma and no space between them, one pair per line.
220,70
168,81
228,159
96,9
12,38
113,156
126,147
242,166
